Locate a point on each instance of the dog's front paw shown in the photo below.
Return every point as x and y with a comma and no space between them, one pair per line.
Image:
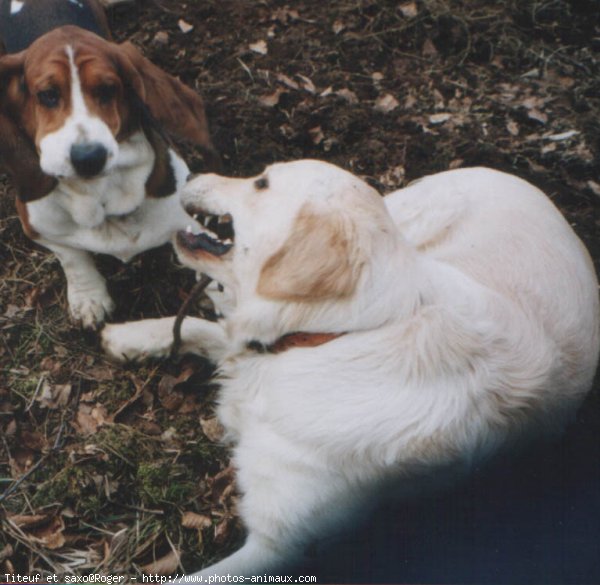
89,308
137,341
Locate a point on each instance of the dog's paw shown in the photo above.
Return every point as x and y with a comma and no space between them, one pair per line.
137,341
90,308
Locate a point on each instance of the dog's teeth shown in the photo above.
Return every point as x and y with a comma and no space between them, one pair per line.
207,220
228,241
196,216
189,229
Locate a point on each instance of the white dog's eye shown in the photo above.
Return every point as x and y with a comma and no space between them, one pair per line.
261,184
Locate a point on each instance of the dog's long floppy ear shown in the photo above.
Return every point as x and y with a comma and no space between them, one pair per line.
18,155
177,108
319,260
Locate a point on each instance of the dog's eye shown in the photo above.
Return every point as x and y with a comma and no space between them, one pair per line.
105,93
49,98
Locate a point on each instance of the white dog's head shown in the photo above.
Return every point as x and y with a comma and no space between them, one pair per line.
289,244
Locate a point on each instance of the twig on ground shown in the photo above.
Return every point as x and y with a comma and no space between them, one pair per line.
197,289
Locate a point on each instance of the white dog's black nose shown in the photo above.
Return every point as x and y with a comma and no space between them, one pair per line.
88,158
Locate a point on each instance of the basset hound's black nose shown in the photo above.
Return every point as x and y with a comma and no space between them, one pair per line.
88,158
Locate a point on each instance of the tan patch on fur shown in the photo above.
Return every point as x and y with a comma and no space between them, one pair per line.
95,72
317,261
24,217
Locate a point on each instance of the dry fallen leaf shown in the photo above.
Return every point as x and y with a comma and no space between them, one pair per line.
393,177
338,27
348,95
456,163
20,461
185,27
409,9
439,118
270,100
11,428
101,373
44,529
537,115
169,397
33,440
90,418
161,38
284,14
595,187
307,84
259,47
12,311
377,77
316,135
428,50
386,103
563,135
222,486
512,127
164,566
194,520
212,428
54,396
287,81
224,529
410,101
27,521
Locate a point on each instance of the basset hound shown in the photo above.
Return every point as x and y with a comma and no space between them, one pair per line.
84,125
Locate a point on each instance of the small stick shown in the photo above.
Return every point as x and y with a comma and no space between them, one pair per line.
197,289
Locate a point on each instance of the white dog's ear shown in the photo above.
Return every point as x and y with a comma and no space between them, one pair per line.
318,260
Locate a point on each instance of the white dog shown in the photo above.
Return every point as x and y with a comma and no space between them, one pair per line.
369,337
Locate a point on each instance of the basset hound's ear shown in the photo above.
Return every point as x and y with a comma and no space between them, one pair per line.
175,107
18,156
319,260
162,181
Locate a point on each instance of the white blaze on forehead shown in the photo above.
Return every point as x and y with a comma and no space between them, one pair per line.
78,107
79,127
16,6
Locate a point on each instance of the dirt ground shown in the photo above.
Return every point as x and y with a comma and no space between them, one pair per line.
119,469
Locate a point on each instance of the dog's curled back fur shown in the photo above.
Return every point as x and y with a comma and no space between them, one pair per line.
461,316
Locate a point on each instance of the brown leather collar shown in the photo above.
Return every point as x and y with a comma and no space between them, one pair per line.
291,340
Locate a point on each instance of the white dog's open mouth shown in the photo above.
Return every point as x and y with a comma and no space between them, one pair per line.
216,238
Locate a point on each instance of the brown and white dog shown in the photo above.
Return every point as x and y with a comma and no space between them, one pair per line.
371,338
81,121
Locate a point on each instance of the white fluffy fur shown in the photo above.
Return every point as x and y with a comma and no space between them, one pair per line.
472,322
